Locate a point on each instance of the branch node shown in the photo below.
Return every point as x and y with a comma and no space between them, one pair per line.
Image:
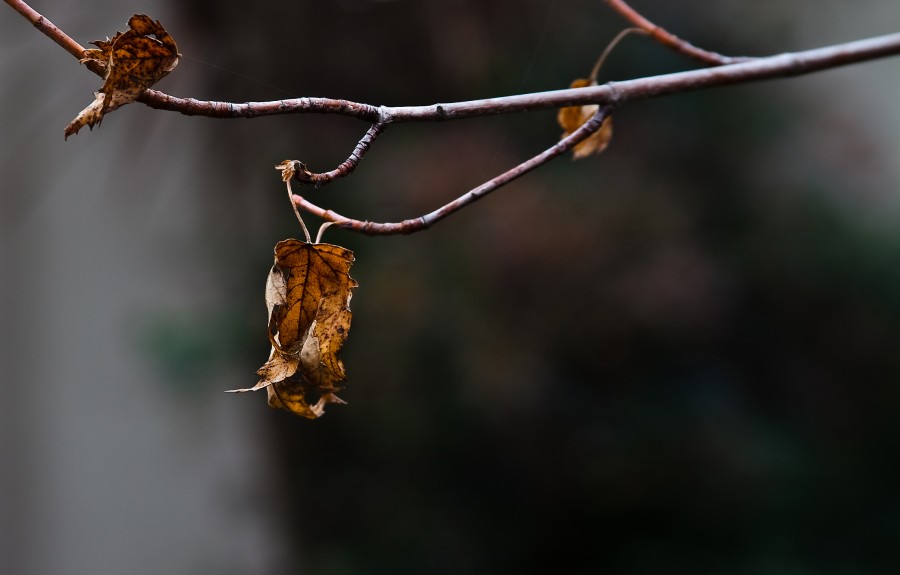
385,115
614,94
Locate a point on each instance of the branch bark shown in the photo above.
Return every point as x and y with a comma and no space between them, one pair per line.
732,72
726,71
473,195
301,173
764,68
670,40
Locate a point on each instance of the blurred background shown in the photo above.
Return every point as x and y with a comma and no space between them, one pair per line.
680,356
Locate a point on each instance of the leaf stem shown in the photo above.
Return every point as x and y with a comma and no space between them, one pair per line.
297,212
322,229
609,48
670,40
50,30
727,71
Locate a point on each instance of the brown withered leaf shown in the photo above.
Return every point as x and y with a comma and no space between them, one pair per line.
308,299
573,117
134,60
294,395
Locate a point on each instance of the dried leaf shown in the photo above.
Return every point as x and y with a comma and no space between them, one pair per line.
308,299
293,168
293,394
134,60
573,117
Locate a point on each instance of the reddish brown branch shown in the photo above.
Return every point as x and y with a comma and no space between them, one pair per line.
473,195
670,40
728,71
304,176
595,71
780,66
50,30
192,107
783,65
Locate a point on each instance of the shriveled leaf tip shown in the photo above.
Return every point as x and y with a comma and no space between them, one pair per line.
293,168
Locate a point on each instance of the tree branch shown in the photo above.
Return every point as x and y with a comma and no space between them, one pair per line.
779,66
764,68
728,71
301,173
473,195
50,30
670,40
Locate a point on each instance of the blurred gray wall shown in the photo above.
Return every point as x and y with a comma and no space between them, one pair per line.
105,470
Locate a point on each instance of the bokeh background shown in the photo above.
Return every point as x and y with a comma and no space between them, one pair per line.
678,357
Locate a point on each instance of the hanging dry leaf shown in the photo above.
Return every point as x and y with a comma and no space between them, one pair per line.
573,117
308,299
134,60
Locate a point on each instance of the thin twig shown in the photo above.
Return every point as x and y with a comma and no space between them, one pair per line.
50,30
473,195
191,107
666,38
304,176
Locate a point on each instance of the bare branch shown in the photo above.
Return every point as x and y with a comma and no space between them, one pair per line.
473,195
300,172
50,30
728,71
779,66
670,40
191,107
783,65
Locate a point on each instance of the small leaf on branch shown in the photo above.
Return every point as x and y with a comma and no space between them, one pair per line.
134,61
308,299
573,117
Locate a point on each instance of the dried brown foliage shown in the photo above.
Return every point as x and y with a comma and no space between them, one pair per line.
133,60
308,298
